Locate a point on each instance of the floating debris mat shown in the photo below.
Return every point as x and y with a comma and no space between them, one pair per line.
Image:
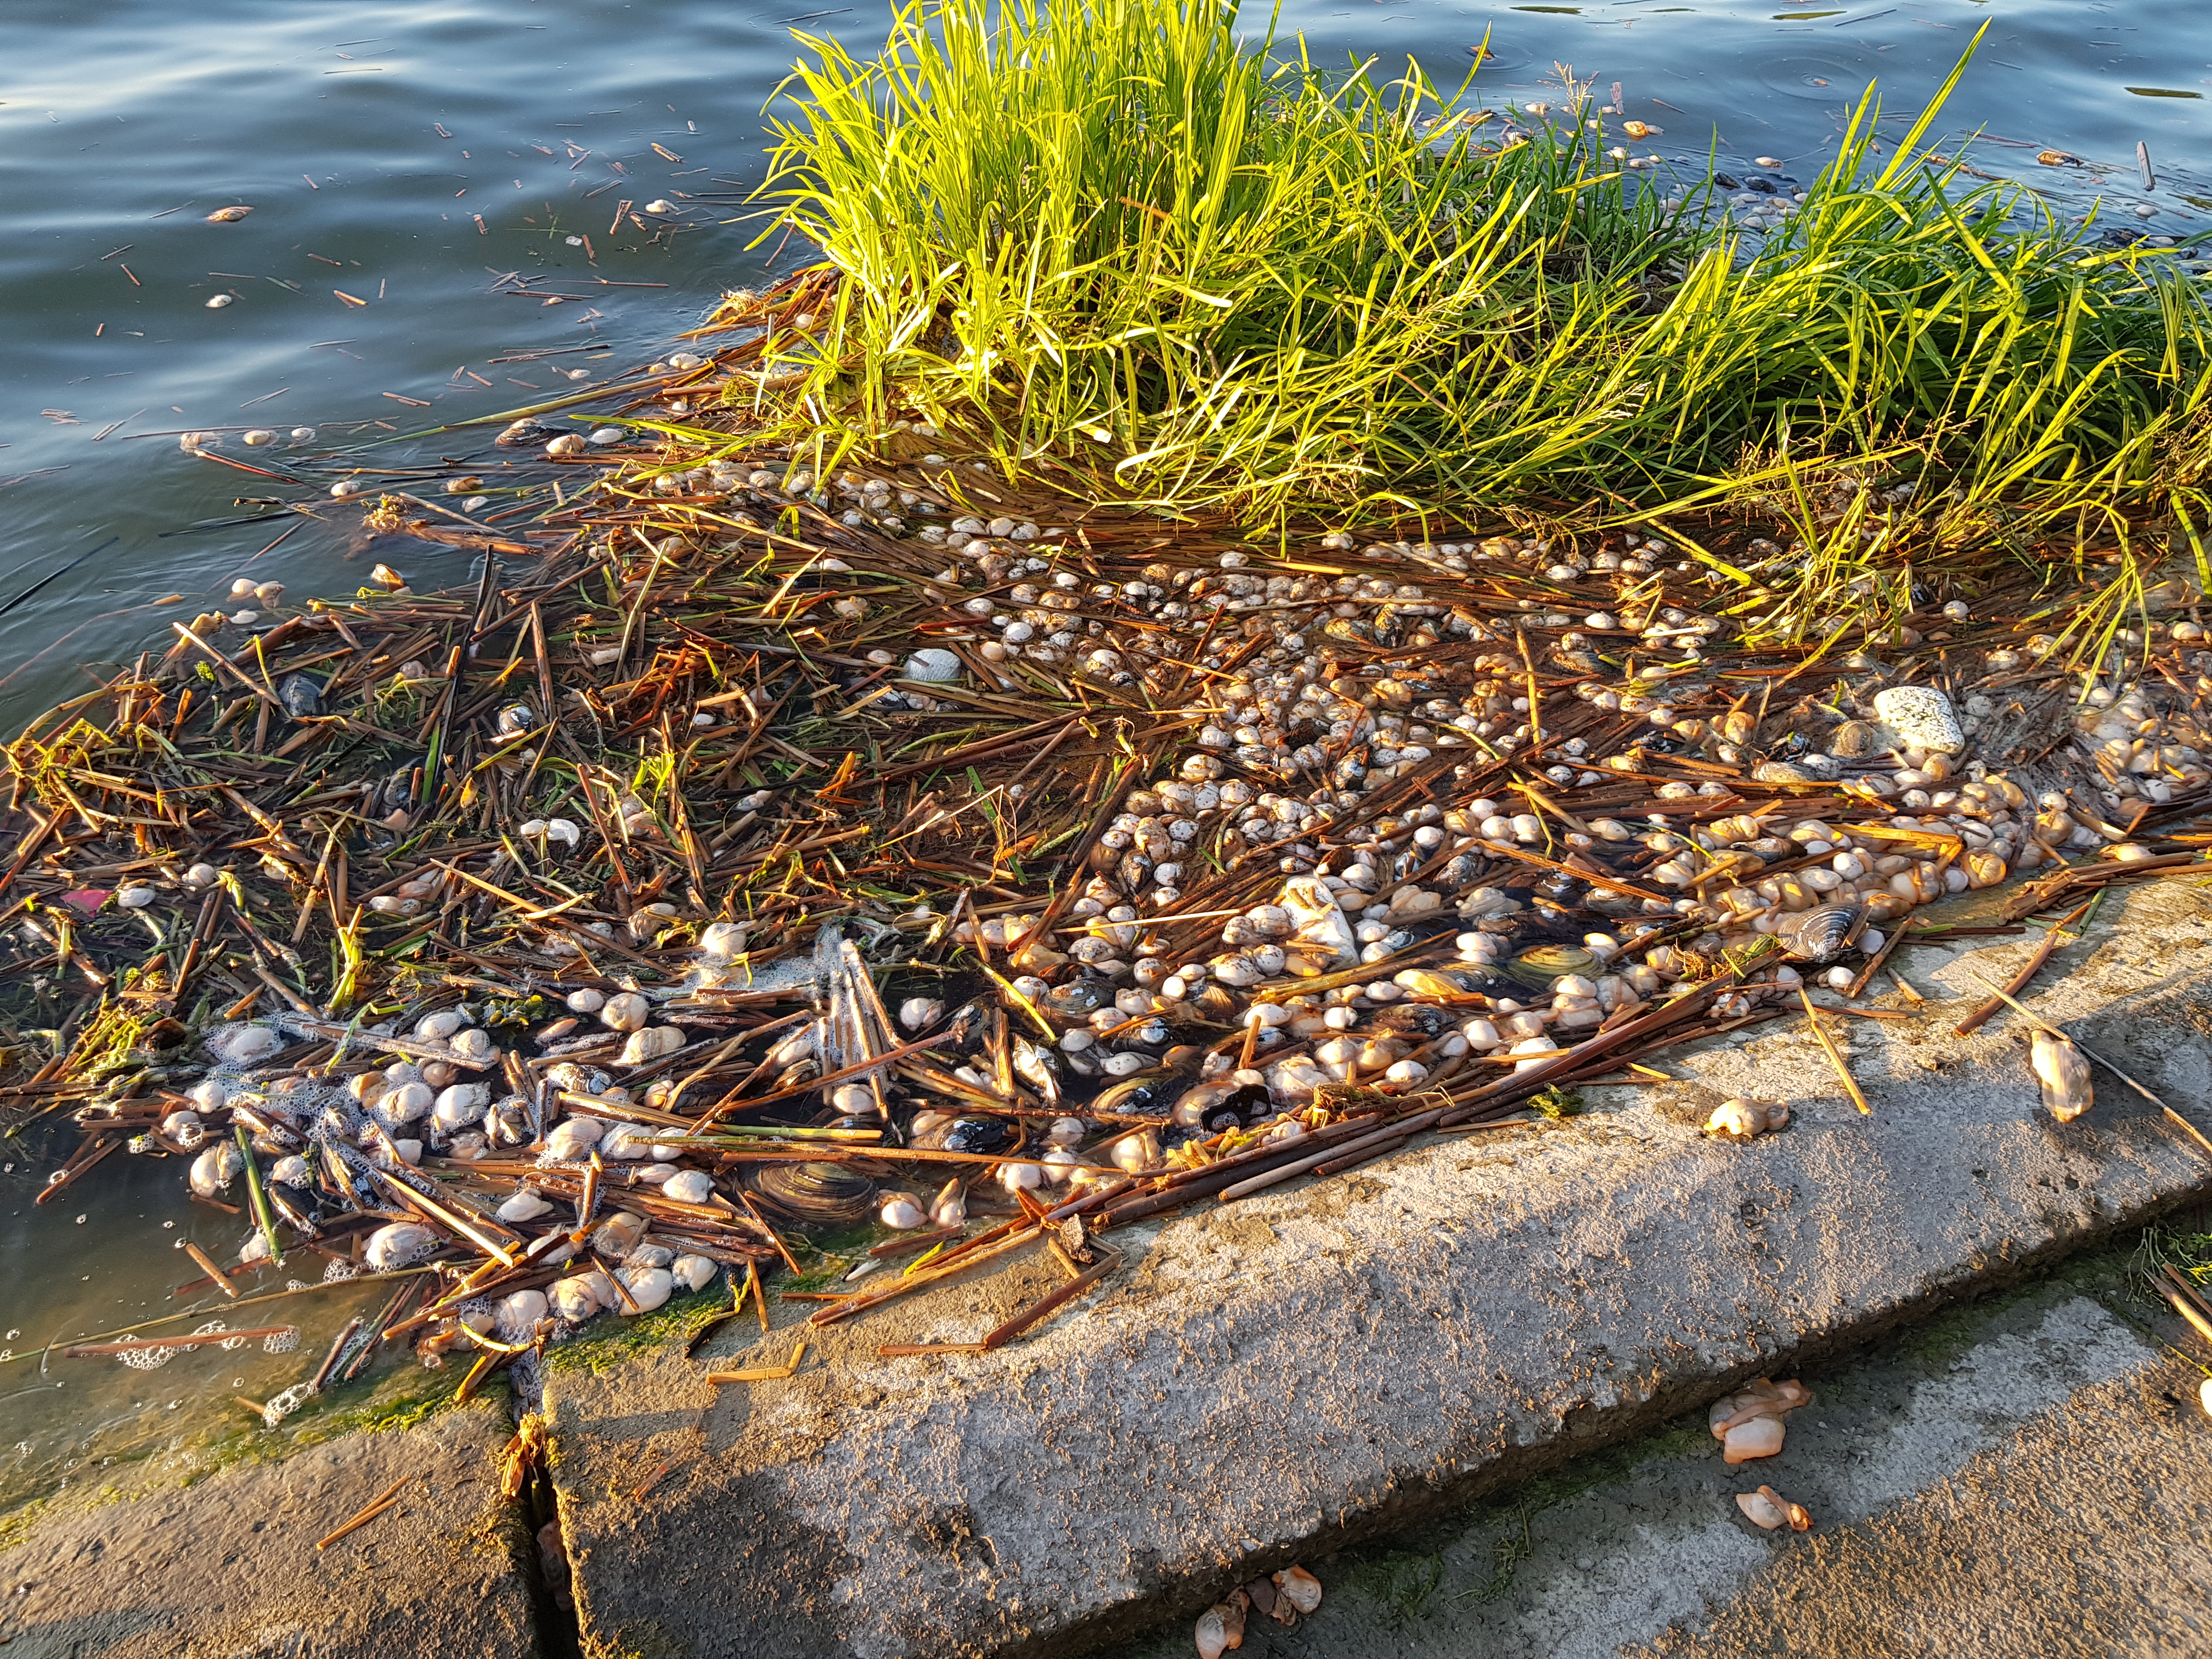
788,873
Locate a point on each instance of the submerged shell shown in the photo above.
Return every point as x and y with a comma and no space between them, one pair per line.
1149,1094
817,1191
900,1211
1817,935
398,1245
1432,983
301,696
1541,964
982,1134
215,1169
950,1207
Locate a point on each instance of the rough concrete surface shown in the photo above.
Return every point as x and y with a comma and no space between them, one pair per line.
2023,1479
227,1569
1275,1378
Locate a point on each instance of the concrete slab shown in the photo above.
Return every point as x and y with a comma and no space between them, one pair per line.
228,1566
2021,1480
1272,1379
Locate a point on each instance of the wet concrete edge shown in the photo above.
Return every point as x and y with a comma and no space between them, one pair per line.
1304,1370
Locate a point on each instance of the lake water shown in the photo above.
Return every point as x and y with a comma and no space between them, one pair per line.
408,154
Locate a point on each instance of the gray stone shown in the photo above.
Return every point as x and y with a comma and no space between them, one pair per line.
1274,1378
2022,1478
228,1566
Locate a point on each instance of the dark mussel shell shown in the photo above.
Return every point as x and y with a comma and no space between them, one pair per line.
969,1027
1213,1000
1560,887
1040,1067
300,695
1248,1104
1148,1094
1465,870
817,1191
1076,1000
1818,935
1412,1018
394,794
300,1200
983,1135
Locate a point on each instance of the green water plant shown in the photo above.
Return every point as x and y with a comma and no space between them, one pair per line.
1117,236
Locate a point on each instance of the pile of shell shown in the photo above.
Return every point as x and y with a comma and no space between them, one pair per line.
1559,884
1328,832
612,1201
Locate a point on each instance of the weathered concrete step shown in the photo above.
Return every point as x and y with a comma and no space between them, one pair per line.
1284,1376
227,1568
2020,1479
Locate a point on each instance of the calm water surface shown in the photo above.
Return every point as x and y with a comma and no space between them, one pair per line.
407,155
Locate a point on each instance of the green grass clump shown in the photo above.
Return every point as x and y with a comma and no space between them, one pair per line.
1109,234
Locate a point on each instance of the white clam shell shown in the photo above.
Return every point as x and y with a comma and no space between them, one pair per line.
517,1315
573,1137
933,664
403,1104
525,1205
242,1045
690,1186
626,1142
693,1272
460,1105
398,1245
722,938
576,1298
654,1043
215,1169
626,1012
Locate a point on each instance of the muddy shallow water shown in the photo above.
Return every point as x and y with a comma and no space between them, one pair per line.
400,157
